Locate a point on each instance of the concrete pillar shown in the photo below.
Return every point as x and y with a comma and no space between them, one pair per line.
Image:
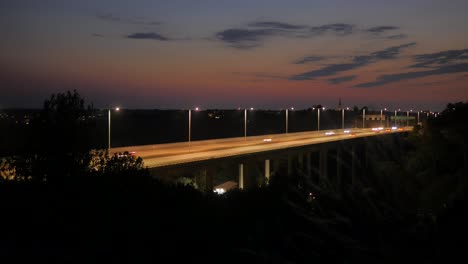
210,175
308,165
206,179
241,176
290,164
339,165
267,170
300,160
323,164
353,165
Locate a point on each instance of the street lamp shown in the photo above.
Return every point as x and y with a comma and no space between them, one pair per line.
395,116
190,124
318,117
109,127
245,122
381,116
342,117
407,117
287,121
363,117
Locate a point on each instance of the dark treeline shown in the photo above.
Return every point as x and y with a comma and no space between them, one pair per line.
72,206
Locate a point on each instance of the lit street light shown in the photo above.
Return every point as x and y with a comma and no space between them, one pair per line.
190,124
363,117
395,116
109,128
287,121
381,116
245,122
407,117
342,116
318,117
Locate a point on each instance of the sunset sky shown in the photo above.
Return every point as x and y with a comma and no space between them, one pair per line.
229,54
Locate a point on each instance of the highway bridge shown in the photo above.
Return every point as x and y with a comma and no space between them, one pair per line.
207,157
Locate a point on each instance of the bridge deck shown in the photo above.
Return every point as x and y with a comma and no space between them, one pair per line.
161,155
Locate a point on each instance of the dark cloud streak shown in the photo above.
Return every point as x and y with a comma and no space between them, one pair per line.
338,29
255,32
398,36
343,79
391,78
308,59
381,29
357,62
439,58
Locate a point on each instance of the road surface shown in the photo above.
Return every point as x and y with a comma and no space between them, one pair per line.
185,152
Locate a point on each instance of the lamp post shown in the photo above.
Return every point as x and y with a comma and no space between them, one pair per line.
245,122
418,117
287,120
109,128
395,116
318,117
363,117
342,118
190,124
381,116
407,118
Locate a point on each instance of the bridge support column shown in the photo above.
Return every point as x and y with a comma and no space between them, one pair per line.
290,164
308,165
300,159
241,176
323,164
339,166
353,165
267,170
205,179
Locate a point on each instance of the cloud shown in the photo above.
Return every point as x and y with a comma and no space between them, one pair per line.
148,35
255,32
381,29
134,20
440,58
398,36
392,52
338,29
308,59
391,78
357,62
343,79
243,38
97,35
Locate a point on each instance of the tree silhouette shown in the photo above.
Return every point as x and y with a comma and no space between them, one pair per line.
61,136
